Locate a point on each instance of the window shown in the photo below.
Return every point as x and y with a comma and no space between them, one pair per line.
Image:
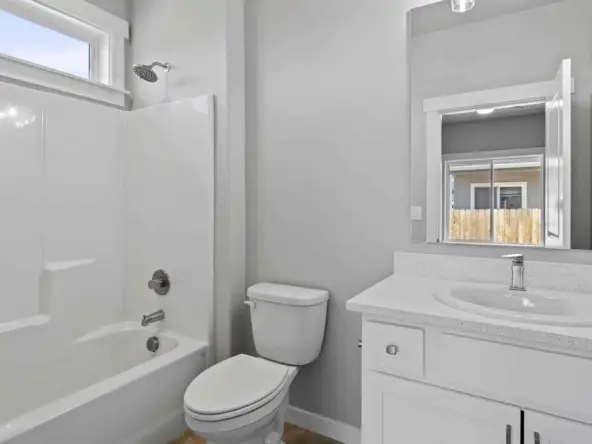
34,43
507,196
64,45
494,200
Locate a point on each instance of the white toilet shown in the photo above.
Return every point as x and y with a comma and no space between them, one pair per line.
242,400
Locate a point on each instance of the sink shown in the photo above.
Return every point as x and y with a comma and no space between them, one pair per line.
531,306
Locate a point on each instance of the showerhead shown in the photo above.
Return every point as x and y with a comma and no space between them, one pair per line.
146,72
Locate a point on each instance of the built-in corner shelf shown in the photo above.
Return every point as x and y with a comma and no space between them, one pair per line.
19,324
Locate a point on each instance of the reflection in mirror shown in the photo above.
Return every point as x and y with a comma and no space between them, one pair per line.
501,123
494,200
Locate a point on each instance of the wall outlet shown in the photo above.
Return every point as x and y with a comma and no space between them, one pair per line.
416,213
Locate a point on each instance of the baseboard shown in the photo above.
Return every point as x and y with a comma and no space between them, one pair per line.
170,427
328,427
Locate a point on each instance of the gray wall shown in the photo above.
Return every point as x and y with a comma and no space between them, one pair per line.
327,166
202,39
505,133
529,49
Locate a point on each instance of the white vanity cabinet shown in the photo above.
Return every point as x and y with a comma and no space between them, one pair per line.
401,411
546,429
424,385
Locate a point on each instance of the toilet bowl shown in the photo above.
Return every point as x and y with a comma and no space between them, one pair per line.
242,400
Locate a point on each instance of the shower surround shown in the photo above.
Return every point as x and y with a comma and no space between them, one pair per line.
95,199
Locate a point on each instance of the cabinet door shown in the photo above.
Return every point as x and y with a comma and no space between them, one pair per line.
546,429
397,411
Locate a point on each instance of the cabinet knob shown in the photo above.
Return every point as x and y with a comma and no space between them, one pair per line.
392,350
537,438
360,343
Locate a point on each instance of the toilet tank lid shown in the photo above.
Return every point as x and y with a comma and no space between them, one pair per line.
287,294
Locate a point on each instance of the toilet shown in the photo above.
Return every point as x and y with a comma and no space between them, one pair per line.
242,400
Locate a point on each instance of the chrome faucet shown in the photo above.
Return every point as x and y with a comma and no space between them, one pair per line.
517,282
152,317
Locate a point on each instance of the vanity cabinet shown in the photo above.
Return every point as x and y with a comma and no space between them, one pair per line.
546,429
426,385
402,411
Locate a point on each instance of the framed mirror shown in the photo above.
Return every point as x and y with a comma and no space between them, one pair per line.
501,124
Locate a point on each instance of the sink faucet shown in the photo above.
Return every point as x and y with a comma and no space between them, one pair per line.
152,317
517,282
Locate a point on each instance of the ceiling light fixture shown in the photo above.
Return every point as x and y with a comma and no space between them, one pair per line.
461,6
485,112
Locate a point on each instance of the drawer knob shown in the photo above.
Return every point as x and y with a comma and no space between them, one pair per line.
392,350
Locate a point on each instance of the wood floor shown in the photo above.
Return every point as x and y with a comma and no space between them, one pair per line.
292,435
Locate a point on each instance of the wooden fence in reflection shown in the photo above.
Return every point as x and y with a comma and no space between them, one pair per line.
510,226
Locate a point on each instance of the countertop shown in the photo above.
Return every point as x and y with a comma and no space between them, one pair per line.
410,301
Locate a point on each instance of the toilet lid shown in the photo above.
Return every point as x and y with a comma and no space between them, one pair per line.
234,384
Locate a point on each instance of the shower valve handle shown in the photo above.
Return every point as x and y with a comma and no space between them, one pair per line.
160,282
153,284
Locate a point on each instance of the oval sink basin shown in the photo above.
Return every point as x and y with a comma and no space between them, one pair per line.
531,306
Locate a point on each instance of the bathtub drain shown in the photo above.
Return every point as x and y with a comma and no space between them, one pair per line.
152,344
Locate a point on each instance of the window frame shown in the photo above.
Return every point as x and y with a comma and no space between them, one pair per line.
490,157
105,33
522,185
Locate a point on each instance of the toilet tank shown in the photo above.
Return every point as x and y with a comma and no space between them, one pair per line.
288,322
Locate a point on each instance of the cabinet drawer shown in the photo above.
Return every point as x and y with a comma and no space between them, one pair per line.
393,349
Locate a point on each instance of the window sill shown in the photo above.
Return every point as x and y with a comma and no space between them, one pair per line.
490,244
19,71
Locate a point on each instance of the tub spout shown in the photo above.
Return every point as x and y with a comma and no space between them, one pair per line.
152,317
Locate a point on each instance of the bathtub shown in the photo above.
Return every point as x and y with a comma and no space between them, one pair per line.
105,388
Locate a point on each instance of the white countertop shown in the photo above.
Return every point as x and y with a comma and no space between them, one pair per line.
410,301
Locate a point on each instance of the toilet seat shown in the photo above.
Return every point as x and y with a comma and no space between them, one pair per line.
236,387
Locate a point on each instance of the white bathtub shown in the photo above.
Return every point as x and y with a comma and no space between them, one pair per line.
106,388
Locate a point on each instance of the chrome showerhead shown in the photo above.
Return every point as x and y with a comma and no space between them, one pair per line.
146,72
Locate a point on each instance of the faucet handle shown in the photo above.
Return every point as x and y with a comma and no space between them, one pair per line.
153,284
160,282
517,258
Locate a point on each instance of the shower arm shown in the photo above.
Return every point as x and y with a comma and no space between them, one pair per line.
165,66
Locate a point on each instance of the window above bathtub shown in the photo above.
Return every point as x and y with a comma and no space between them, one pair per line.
69,46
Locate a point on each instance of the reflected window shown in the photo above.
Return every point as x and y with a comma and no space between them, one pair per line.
495,200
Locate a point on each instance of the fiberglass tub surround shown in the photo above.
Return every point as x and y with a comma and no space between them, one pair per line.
73,354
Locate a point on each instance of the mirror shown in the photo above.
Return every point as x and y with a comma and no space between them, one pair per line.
501,123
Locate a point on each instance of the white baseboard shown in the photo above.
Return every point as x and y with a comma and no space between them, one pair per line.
322,425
